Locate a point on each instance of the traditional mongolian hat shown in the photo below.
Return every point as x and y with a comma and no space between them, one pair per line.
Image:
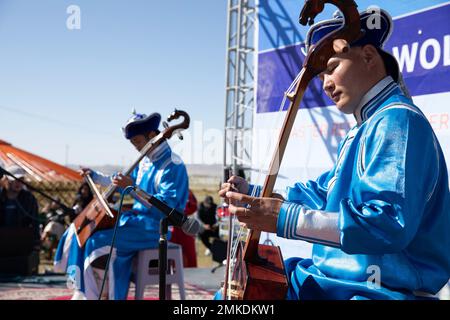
141,124
377,26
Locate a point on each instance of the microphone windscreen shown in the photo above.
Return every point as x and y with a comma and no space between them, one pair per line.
191,226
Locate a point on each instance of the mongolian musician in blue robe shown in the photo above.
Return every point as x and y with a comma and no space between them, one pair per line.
379,219
162,174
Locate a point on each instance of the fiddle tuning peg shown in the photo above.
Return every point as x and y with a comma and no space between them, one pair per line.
340,46
290,96
166,125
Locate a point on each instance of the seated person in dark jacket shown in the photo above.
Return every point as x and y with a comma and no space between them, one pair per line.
207,215
18,206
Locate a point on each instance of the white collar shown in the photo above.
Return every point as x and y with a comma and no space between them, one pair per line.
369,96
158,152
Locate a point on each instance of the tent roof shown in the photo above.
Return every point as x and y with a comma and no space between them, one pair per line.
37,168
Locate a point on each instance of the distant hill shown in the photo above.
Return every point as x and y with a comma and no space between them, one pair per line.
213,170
106,169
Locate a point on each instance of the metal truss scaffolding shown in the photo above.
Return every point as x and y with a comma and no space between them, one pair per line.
240,84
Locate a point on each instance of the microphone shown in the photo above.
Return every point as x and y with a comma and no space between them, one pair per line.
189,226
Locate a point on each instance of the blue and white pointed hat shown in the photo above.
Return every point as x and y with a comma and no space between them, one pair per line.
377,26
140,123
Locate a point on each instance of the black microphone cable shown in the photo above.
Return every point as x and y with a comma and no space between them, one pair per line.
124,192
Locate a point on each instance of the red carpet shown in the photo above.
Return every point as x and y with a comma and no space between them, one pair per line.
151,293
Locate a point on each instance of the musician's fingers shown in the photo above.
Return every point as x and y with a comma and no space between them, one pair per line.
277,196
229,186
252,227
122,179
239,197
238,211
244,215
84,171
233,179
236,180
243,220
119,176
244,224
225,185
232,208
222,193
225,188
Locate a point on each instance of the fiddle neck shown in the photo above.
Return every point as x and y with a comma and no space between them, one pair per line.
251,246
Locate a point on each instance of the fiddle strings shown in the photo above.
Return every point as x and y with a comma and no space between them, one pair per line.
260,170
238,244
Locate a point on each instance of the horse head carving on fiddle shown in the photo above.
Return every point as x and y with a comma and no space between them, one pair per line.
337,41
170,130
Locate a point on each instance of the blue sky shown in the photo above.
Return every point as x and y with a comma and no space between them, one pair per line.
72,90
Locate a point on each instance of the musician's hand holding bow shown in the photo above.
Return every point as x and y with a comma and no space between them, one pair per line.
84,171
122,181
256,213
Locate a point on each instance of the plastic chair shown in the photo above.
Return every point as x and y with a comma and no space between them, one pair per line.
147,273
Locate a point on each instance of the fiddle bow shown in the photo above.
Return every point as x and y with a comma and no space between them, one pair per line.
259,270
96,216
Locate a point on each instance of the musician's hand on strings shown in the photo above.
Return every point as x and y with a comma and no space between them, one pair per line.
122,181
257,213
236,184
277,196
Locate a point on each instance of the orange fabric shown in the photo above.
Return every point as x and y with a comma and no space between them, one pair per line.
35,166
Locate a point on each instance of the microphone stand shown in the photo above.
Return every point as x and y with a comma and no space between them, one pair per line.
163,230
173,217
